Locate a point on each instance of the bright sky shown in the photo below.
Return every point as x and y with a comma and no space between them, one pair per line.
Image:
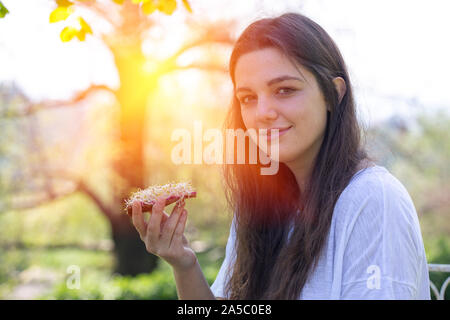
395,50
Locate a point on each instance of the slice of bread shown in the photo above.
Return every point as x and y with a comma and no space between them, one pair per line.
171,192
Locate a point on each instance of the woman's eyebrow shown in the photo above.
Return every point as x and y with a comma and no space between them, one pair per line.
283,78
273,81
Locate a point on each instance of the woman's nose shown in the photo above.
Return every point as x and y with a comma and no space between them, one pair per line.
266,110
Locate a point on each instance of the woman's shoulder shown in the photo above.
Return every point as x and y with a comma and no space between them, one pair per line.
374,189
375,182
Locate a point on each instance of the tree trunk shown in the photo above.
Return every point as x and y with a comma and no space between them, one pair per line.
131,256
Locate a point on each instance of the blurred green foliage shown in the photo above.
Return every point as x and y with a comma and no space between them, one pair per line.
3,10
439,251
158,285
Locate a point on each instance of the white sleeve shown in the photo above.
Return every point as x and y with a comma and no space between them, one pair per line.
384,256
224,273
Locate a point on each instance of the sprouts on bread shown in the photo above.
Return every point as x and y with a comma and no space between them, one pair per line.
171,192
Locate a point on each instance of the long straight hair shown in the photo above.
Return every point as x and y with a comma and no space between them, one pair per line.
266,207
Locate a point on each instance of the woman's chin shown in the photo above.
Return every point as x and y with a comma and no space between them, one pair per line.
278,155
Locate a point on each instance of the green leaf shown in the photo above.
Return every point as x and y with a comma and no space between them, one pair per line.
3,10
59,14
68,33
187,6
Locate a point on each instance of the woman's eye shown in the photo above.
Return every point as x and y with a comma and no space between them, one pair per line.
246,99
285,90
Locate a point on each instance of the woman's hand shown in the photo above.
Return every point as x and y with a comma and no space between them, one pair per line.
163,234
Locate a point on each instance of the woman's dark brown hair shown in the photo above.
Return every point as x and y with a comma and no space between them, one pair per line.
269,264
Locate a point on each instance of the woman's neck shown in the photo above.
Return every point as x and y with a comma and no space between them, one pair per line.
302,171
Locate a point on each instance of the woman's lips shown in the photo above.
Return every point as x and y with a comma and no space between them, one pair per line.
281,132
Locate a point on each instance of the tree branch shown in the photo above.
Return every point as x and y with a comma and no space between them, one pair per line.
100,11
172,59
83,187
79,185
20,204
32,107
201,66
107,212
210,35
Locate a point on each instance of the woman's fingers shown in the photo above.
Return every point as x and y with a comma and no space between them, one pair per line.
161,231
170,225
178,235
154,223
138,219
163,235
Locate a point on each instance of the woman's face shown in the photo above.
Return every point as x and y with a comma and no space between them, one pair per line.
274,94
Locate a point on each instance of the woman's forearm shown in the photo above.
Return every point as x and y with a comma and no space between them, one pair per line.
192,285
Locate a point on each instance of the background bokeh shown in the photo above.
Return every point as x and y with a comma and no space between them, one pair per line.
85,122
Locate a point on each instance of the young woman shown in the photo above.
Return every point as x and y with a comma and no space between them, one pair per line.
330,224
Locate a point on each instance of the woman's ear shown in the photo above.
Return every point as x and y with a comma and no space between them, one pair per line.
341,87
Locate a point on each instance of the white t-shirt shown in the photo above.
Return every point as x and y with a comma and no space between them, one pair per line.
374,249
